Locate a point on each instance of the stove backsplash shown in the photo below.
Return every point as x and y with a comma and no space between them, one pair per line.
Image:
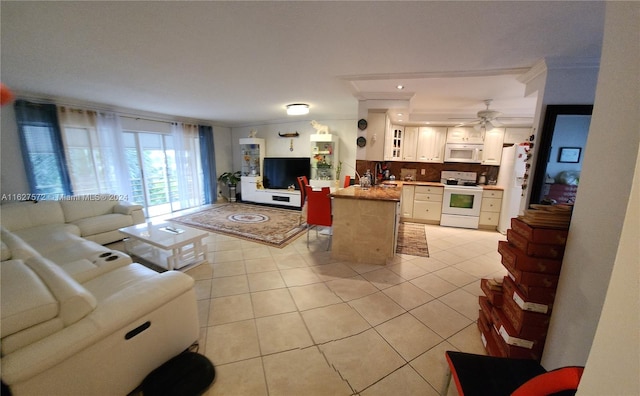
431,171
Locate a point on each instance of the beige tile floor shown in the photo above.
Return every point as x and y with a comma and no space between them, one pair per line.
293,321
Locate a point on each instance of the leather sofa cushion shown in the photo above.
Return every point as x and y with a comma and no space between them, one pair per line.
5,252
102,223
21,215
74,301
20,250
84,206
26,299
30,335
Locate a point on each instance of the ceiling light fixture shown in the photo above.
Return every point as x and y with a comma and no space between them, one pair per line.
400,86
297,109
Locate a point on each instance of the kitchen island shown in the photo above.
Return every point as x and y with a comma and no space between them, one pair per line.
365,223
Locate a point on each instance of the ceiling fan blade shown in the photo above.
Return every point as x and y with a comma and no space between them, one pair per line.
494,124
476,122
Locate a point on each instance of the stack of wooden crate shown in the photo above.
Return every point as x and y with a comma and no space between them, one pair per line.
515,311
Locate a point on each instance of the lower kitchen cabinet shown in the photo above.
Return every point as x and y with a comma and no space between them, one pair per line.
490,209
427,204
406,200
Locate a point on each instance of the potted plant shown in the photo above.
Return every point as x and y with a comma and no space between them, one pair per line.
231,179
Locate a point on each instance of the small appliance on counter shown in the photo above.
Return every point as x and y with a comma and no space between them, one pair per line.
408,174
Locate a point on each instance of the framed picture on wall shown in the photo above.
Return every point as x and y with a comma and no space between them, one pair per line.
569,154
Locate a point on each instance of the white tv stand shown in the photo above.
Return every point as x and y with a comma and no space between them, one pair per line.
250,193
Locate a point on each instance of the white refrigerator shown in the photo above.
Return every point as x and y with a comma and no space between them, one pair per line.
511,178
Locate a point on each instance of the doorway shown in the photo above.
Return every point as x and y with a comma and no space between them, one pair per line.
561,154
152,171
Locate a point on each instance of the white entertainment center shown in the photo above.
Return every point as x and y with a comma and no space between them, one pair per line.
252,150
323,165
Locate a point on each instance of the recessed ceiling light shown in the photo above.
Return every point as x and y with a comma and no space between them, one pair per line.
297,109
400,86
400,114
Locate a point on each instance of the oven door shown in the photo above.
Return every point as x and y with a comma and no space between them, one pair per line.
463,201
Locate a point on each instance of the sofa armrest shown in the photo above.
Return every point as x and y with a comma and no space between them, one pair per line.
123,308
126,208
74,301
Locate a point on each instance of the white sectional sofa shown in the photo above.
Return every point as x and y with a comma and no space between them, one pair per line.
93,217
79,318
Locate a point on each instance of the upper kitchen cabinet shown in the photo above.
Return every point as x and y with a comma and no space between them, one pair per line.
517,135
492,150
464,135
431,142
393,142
410,143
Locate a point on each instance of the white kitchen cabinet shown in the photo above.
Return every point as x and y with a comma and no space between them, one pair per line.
464,135
431,142
427,204
517,135
406,200
492,150
410,143
393,142
490,209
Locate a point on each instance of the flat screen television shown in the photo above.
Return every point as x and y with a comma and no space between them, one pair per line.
282,172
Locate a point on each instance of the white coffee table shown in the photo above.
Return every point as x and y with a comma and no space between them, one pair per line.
166,245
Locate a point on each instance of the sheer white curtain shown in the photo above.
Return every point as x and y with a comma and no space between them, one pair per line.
114,170
187,152
78,133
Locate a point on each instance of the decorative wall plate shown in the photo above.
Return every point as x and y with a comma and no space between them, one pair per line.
361,141
362,124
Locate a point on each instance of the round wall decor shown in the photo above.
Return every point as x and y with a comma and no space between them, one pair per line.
362,124
361,141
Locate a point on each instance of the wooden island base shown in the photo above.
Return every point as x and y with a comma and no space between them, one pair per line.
365,224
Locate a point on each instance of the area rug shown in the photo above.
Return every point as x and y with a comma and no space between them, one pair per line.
269,226
412,240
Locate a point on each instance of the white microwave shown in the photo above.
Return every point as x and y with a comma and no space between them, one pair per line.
459,152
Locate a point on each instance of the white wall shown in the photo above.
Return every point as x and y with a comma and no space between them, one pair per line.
613,363
601,209
277,146
570,131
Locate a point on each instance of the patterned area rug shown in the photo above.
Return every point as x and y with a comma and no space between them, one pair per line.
412,240
270,226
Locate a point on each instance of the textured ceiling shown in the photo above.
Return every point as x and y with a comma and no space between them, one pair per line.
240,63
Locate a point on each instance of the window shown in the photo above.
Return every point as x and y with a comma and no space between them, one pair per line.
42,152
83,161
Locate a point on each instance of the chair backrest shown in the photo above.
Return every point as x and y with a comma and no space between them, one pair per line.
347,181
303,182
318,206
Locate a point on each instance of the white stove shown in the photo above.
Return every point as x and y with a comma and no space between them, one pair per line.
461,201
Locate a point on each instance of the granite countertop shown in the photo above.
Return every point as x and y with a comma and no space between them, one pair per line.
377,193
399,184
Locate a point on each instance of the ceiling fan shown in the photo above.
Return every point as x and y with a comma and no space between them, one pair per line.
487,118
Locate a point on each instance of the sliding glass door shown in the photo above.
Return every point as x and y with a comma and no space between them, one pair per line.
152,170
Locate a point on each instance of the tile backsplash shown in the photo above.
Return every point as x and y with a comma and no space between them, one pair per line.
431,171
